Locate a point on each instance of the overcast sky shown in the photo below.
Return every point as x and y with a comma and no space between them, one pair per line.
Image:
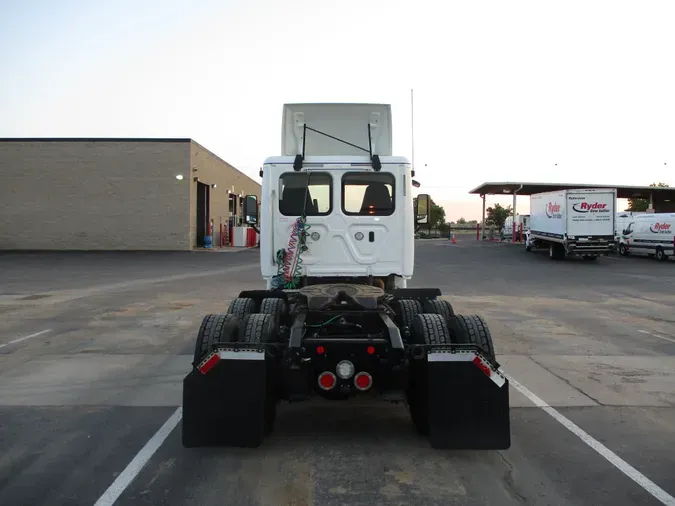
503,90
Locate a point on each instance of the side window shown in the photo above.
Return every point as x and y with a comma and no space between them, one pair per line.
368,193
308,193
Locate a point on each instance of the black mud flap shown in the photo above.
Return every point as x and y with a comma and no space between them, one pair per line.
468,403
224,403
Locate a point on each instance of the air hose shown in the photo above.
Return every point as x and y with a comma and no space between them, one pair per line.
289,260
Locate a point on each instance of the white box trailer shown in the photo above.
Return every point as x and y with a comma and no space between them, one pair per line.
576,222
649,234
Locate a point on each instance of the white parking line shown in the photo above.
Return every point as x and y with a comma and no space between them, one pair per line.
136,465
614,459
657,335
25,337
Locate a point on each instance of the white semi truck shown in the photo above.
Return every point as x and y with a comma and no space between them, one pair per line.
334,316
577,222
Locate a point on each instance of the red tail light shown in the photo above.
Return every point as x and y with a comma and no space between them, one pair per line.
363,381
370,350
327,380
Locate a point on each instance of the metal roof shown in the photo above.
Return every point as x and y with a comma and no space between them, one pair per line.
623,192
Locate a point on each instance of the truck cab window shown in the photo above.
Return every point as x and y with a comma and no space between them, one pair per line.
296,197
368,194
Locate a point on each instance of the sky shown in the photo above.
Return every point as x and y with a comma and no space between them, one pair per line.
503,91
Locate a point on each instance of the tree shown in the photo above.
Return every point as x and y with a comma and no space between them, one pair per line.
497,215
641,205
437,218
461,221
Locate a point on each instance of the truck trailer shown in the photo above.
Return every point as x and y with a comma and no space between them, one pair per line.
573,223
336,318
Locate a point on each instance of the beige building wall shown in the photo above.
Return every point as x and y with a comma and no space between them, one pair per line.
104,194
210,169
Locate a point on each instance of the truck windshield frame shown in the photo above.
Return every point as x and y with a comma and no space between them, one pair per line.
355,200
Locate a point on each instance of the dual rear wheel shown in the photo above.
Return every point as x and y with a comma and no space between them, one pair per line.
435,322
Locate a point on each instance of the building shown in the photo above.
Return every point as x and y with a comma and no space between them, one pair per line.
115,194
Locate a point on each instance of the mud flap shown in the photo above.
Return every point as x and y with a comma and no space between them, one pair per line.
468,403
225,400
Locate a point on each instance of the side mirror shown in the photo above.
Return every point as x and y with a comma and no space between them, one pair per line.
422,209
251,209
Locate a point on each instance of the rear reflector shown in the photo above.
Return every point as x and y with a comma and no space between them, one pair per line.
370,350
482,364
327,380
320,350
363,381
208,363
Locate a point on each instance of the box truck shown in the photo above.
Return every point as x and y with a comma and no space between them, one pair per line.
576,222
649,234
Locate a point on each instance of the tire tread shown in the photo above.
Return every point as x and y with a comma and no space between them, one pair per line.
213,329
478,333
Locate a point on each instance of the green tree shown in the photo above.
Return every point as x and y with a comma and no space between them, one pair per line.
461,221
437,218
497,215
641,205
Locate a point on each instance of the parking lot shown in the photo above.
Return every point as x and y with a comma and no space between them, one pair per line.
93,349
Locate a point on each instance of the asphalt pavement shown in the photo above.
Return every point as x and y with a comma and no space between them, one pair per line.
93,349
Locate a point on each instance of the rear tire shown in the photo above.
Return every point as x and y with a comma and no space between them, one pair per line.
215,328
623,250
426,329
441,307
477,332
241,307
275,307
406,310
661,255
259,328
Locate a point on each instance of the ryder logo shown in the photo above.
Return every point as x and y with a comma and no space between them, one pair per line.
660,228
553,210
585,207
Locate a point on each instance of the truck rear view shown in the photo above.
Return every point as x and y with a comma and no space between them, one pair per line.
334,318
573,223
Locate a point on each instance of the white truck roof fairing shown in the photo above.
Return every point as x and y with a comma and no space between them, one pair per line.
347,122
363,162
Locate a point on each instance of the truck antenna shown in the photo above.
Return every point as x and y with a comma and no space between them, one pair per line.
412,130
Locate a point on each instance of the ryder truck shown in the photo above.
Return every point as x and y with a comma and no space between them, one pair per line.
573,223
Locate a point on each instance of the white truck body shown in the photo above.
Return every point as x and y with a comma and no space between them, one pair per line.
573,222
347,235
623,219
649,234
521,219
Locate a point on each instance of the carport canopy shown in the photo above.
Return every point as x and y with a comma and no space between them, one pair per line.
660,199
